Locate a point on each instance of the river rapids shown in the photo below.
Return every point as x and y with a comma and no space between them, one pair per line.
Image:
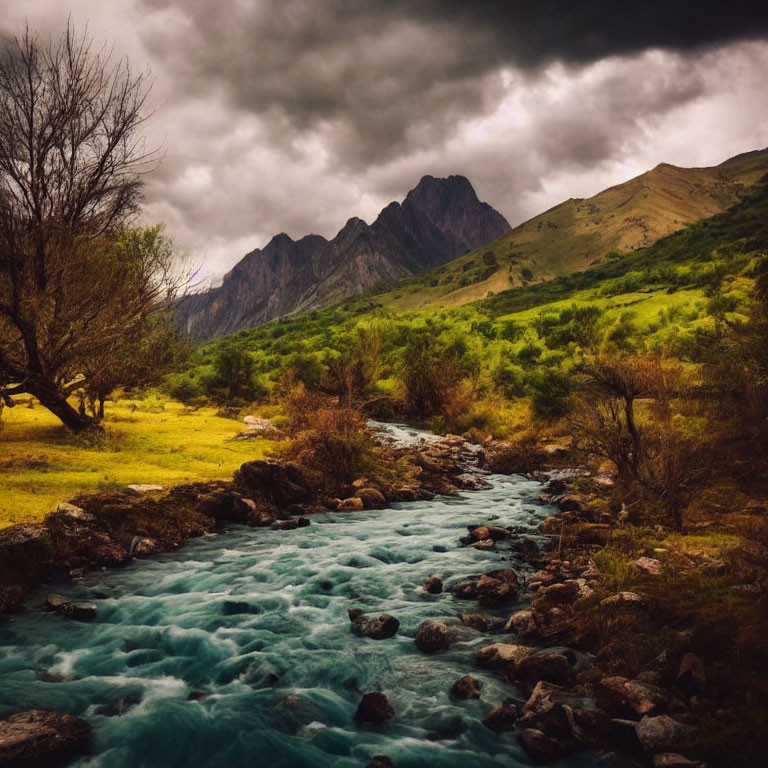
237,650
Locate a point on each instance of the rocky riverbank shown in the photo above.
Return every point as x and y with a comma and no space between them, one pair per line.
594,656
108,529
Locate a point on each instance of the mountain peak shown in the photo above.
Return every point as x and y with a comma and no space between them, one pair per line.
440,219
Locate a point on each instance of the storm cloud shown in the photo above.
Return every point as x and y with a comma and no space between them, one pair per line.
293,115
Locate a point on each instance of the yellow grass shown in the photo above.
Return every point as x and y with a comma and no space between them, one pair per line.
151,441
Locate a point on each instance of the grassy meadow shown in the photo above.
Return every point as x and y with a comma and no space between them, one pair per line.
152,440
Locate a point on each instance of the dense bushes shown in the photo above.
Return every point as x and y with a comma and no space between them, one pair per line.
330,439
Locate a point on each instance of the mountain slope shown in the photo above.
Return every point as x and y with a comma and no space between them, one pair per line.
260,287
578,233
439,220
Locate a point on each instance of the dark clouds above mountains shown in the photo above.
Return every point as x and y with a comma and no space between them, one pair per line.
296,114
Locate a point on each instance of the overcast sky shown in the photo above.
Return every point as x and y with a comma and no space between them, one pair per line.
294,115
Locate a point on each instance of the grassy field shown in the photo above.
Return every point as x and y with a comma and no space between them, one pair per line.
146,441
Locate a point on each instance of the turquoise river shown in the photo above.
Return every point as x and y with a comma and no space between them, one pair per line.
237,650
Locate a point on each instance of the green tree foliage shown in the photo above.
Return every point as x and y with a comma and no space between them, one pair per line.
233,379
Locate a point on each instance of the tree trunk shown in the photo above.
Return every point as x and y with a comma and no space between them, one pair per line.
69,416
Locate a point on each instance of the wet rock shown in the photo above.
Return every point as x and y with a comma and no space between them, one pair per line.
352,504
256,515
197,696
477,621
503,717
660,734
145,546
281,484
551,667
562,715
540,747
41,739
505,656
649,566
487,545
622,600
480,533
82,535
380,761
291,524
491,592
65,607
467,687
374,708
507,575
381,628
372,498
432,636
523,623
302,522
498,533
433,585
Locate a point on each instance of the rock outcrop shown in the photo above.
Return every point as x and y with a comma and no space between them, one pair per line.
439,220
41,739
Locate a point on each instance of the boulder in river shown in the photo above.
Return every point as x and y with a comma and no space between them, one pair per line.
380,628
433,585
65,607
281,484
491,592
540,747
432,636
523,623
374,707
477,621
467,687
504,656
352,504
41,739
503,717
291,524
372,498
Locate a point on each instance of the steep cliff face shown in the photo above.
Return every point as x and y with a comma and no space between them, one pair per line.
266,283
438,220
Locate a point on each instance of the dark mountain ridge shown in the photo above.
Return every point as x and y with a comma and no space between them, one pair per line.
439,220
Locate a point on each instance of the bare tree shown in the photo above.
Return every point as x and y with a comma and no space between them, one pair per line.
74,292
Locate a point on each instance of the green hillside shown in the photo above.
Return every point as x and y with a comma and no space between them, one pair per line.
579,234
517,342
